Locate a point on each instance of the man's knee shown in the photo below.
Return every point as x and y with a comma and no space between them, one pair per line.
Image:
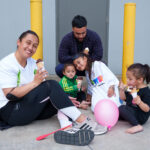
58,70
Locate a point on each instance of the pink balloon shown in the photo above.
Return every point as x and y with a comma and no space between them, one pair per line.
106,113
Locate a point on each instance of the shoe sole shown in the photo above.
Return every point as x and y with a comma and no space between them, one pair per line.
101,132
80,138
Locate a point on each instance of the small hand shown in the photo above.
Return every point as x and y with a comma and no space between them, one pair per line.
137,100
121,85
88,98
84,104
74,101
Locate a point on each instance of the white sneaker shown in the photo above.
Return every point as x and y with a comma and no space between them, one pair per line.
91,125
74,137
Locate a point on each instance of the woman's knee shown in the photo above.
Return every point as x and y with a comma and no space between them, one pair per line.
52,83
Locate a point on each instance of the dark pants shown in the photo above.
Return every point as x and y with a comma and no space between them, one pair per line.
129,114
59,69
32,106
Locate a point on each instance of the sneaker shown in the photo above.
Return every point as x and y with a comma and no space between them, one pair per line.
89,124
74,137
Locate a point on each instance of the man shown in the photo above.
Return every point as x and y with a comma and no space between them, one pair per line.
79,40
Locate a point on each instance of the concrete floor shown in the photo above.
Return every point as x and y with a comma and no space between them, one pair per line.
24,137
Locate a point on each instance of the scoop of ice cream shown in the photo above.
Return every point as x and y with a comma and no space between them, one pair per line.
40,64
86,50
134,90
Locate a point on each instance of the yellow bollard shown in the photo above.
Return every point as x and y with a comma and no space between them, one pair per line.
36,25
128,37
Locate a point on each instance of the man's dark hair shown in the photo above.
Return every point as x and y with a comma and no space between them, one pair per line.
79,22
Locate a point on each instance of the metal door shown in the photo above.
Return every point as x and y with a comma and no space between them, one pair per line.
96,13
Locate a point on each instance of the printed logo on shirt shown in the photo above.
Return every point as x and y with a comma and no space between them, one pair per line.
98,81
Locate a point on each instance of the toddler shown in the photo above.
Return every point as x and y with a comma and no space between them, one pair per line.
137,97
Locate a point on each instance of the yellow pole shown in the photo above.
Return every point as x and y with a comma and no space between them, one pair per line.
128,37
36,25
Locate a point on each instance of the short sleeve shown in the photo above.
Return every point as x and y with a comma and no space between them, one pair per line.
8,75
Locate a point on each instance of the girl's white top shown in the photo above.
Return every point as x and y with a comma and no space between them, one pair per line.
101,79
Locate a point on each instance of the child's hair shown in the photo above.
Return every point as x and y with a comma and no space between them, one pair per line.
89,62
140,71
68,64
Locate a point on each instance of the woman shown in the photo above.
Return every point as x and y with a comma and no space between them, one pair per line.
26,96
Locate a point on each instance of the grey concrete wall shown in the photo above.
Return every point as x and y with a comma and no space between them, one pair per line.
49,35
15,19
142,32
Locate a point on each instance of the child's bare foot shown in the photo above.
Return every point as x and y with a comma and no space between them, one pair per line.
134,129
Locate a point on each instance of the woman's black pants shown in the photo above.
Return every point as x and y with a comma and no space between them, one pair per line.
40,103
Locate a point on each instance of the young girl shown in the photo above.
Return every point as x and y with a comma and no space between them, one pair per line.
137,108
102,83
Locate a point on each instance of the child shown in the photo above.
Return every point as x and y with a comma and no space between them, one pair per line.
137,108
102,83
72,85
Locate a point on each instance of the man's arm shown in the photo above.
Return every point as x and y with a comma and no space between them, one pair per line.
97,49
65,50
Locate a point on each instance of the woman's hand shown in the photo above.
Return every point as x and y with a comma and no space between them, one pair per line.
40,76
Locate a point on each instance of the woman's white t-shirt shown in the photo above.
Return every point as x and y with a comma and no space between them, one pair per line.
12,74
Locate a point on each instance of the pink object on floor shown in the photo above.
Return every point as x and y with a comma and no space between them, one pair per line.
106,113
45,135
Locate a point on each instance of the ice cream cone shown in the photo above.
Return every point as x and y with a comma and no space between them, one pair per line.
79,82
134,95
86,50
40,64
